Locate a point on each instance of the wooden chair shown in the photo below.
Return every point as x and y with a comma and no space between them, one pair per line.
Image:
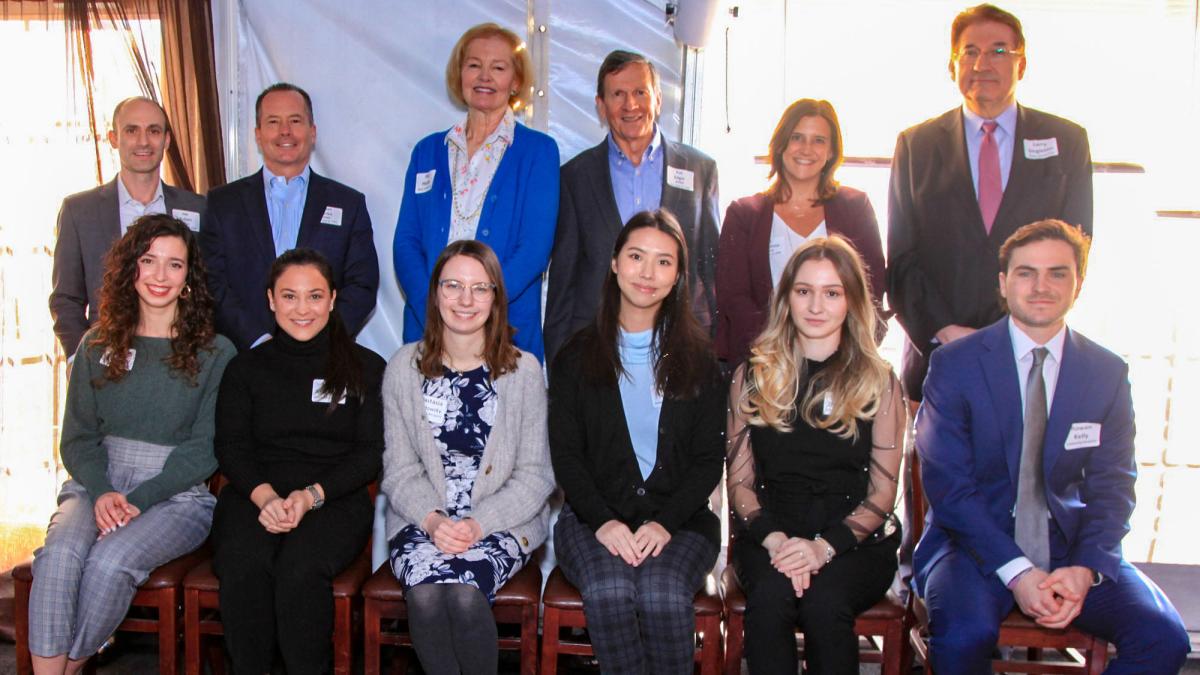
161,592
1084,653
563,608
516,603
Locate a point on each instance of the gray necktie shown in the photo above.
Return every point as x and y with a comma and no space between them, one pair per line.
1033,524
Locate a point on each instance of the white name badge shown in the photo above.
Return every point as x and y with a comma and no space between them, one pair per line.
1083,435
435,410
681,178
332,216
319,396
425,181
1041,148
827,404
189,218
128,362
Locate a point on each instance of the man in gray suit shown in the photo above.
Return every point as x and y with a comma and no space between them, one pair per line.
636,168
90,221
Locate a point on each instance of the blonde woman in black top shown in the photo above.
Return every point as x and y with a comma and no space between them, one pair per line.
816,434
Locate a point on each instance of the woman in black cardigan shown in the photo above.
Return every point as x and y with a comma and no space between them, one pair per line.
635,438
300,437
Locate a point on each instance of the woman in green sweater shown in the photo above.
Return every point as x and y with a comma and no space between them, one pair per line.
137,440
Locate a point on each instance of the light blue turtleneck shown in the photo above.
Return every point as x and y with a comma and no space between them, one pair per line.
640,397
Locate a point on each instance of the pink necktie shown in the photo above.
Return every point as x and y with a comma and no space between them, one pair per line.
990,188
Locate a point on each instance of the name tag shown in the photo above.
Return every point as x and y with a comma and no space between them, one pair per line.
319,396
681,178
332,216
104,359
425,181
435,410
1041,148
1083,435
827,404
189,218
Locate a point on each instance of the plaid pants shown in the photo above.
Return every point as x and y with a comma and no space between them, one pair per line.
82,587
640,619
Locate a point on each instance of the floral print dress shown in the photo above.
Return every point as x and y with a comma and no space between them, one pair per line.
469,401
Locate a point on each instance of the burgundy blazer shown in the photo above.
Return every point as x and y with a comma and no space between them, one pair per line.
744,267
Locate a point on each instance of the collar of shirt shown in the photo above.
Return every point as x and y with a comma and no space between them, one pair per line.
503,132
1023,347
126,199
1005,135
1005,121
651,153
300,179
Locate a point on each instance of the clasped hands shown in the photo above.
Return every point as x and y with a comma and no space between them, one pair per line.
633,547
279,515
112,510
797,558
1053,599
452,536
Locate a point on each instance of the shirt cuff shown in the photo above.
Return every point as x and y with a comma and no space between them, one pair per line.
1009,570
261,339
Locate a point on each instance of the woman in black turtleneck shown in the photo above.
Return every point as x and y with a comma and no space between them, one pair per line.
299,436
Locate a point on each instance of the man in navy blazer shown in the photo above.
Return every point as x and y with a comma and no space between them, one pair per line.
973,429
285,205
635,168
945,221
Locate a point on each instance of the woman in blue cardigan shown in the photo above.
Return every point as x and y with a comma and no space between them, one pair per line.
487,178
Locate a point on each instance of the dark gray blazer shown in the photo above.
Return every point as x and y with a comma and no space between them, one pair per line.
88,224
588,224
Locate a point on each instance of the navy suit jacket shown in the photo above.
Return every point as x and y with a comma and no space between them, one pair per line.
239,249
969,432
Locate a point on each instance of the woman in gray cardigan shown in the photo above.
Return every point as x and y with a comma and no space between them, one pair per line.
467,466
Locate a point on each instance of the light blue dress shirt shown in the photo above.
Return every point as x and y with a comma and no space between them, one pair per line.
1005,135
285,206
131,209
637,188
640,397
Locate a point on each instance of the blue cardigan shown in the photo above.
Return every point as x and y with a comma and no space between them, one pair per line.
518,221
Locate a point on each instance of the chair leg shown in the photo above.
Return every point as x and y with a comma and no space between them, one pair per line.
191,632
550,630
21,621
529,639
1096,656
371,628
342,635
710,647
168,627
734,643
892,650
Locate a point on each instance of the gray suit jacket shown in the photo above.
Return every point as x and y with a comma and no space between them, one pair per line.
88,224
588,224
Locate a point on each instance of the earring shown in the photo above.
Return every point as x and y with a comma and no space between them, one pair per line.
187,290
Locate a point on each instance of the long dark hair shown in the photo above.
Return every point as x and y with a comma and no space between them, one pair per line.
192,329
683,362
498,351
343,371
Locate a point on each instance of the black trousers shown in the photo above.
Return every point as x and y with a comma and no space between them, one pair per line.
844,588
276,589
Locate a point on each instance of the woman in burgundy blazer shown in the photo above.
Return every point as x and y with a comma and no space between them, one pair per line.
807,133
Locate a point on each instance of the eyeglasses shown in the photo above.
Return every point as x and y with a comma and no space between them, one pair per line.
452,289
973,54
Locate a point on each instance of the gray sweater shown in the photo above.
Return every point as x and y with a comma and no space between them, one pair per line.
515,477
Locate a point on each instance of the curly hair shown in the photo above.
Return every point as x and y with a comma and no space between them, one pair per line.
114,331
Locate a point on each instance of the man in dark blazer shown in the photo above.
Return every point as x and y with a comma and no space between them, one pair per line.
90,221
635,168
285,205
958,190
1026,440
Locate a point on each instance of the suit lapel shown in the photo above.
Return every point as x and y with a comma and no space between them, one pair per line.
1020,180
954,155
1000,370
314,207
673,199
254,203
760,245
606,201
110,210
1071,387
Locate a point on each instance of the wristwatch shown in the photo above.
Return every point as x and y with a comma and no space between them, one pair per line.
316,494
1097,578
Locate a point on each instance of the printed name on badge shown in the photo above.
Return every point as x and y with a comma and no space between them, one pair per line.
1041,148
128,362
827,404
332,216
425,181
189,218
681,178
435,410
1083,435
319,396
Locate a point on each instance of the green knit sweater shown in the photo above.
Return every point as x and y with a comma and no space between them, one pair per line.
153,404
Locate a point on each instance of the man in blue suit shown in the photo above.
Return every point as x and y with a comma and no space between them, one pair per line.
286,205
1026,439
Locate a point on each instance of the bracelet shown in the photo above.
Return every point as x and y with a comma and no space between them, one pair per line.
829,552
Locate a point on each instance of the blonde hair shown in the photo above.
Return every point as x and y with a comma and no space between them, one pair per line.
857,376
522,64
